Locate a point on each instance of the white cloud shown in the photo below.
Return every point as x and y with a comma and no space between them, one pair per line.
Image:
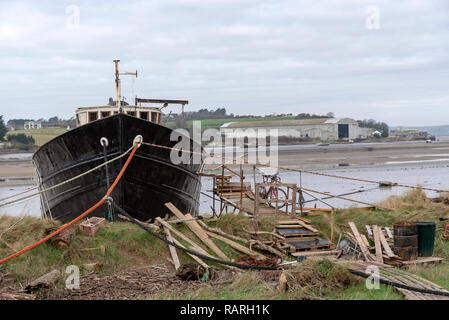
248,56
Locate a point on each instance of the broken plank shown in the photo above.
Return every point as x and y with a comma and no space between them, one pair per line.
384,243
235,245
173,253
368,229
197,259
377,244
390,235
183,237
197,230
314,253
423,260
359,240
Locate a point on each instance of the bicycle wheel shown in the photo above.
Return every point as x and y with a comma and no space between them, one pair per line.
281,196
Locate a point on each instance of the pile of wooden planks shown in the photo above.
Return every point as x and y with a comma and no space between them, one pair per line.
392,274
203,243
300,236
380,251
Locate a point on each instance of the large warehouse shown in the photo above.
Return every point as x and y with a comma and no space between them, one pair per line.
329,129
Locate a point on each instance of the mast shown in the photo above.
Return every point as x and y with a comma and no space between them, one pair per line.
117,83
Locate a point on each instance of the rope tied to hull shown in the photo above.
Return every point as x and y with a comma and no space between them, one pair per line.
68,180
84,214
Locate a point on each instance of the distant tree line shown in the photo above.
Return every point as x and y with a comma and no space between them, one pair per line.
313,116
51,122
3,129
20,138
382,127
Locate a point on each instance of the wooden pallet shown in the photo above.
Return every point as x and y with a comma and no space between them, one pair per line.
314,245
296,233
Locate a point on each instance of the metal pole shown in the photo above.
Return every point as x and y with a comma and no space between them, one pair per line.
117,86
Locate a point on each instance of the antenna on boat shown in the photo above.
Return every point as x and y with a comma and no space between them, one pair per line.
117,83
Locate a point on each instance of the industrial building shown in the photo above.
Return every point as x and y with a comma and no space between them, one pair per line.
328,129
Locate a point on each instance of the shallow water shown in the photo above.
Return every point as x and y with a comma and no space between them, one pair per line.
427,175
16,156
433,175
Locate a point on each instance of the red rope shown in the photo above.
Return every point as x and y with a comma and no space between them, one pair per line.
298,170
85,213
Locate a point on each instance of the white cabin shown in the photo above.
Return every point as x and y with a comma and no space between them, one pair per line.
89,114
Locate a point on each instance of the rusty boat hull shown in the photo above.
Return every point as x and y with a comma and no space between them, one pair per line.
150,181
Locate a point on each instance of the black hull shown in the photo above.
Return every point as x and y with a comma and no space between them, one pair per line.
149,182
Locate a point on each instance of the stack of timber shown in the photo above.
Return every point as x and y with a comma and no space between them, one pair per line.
391,274
203,242
381,250
300,236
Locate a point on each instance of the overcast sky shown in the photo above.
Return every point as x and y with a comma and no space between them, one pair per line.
387,60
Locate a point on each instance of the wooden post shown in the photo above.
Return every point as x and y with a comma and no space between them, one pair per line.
213,194
221,190
256,200
300,201
294,195
277,198
333,225
241,187
255,189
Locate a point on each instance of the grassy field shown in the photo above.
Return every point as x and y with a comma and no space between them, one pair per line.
41,136
128,247
216,123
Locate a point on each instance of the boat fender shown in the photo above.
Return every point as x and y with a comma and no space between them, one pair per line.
138,140
104,142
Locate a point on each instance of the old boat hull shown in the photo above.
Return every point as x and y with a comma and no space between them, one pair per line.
149,182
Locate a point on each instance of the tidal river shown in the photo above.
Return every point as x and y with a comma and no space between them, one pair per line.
427,172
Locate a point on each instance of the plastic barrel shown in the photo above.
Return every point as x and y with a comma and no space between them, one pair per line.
406,240
426,238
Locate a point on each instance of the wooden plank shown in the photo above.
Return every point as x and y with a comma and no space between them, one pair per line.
235,245
368,229
359,240
308,227
423,260
377,244
390,235
173,253
365,241
183,237
384,243
314,253
197,259
197,230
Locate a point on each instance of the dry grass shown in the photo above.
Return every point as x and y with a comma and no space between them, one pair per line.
313,279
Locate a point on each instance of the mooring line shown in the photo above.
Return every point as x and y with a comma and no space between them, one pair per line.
202,256
68,180
85,213
295,170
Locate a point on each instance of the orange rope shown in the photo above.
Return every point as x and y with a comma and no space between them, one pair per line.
95,206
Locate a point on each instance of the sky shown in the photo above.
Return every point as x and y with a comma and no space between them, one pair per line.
378,59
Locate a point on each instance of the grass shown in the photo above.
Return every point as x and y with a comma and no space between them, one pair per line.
127,246
41,136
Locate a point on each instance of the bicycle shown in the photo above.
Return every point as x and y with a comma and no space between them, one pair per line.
273,192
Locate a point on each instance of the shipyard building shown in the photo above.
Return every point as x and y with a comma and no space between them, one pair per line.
329,129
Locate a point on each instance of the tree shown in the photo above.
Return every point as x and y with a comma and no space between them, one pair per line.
330,115
53,119
21,138
3,129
